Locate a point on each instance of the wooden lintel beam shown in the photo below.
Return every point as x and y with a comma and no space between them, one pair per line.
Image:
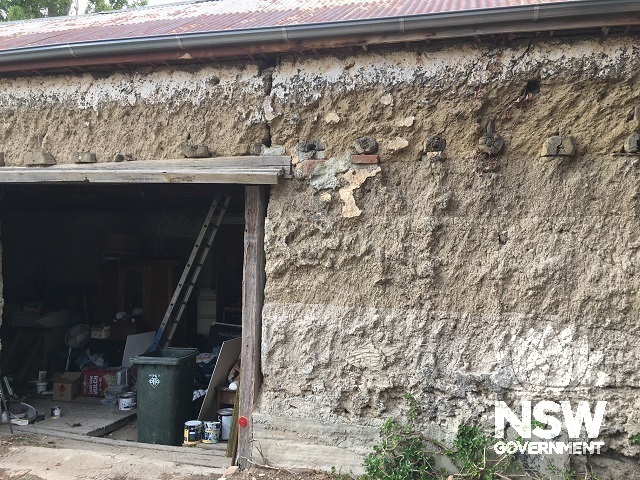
268,176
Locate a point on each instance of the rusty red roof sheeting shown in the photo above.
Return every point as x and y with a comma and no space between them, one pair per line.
225,15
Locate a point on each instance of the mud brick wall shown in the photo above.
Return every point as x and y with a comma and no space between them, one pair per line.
147,114
442,278
458,285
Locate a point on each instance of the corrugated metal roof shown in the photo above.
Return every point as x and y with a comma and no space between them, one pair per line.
226,15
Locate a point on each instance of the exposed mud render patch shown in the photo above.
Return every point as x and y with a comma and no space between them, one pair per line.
456,90
354,178
148,114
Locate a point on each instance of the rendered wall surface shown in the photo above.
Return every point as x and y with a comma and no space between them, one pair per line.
148,114
457,285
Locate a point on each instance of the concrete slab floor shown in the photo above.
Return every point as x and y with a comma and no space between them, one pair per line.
88,425
84,416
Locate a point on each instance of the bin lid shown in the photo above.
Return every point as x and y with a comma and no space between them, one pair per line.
165,356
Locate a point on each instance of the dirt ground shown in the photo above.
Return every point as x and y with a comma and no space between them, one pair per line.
34,457
269,474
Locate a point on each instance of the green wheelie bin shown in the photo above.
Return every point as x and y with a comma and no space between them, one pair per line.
165,392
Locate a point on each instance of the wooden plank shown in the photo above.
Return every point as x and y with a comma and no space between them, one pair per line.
181,163
262,176
253,280
255,170
112,427
214,457
36,348
229,354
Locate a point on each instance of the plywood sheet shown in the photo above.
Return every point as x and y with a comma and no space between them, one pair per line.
136,345
229,354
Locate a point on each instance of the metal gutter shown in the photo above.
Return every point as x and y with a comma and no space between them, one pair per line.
560,16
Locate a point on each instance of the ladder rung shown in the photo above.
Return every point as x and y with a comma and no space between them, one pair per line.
183,302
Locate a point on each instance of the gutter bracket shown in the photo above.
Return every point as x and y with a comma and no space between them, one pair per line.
402,24
285,34
179,42
71,52
536,12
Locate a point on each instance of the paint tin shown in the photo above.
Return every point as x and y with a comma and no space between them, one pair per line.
56,412
211,432
127,401
41,387
192,432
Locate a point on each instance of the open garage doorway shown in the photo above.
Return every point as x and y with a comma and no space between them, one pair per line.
109,257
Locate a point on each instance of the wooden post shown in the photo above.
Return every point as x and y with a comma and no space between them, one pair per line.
253,279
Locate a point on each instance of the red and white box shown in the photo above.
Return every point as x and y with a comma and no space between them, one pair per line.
96,380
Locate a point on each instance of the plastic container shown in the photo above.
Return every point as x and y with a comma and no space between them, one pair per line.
225,415
165,391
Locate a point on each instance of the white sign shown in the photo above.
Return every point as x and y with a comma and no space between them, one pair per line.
154,381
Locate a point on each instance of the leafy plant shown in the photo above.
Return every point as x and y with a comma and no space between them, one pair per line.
25,9
405,453
95,6
635,439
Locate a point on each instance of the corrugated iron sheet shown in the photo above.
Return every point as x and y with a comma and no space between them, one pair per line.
225,15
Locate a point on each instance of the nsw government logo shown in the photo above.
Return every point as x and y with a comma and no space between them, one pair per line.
542,420
550,363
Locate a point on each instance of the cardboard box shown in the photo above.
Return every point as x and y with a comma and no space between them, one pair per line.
221,332
66,386
100,332
96,380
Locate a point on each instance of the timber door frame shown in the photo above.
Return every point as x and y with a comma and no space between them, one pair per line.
255,173
253,282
